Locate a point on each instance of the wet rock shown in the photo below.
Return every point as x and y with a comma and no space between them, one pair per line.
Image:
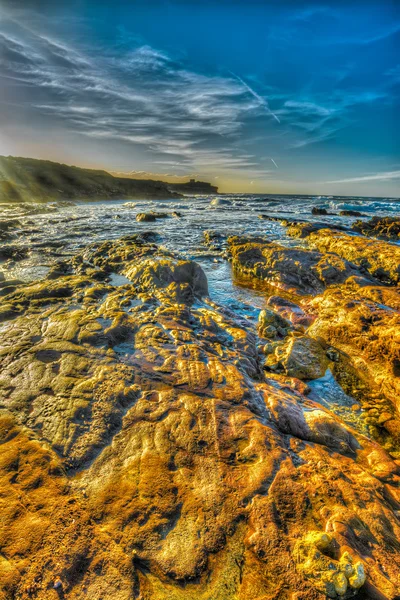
335,578
387,228
318,210
303,358
147,217
291,311
182,280
295,270
143,453
351,213
214,239
379,259
303,229
13,253
271,324
364,322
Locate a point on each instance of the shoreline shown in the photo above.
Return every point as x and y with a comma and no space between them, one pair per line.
143,406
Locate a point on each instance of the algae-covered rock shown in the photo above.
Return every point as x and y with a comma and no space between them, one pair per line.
304,358
387,228
377,258
364,323
294,270
145,217
144,453
336,578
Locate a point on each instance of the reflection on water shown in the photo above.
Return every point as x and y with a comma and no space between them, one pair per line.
329,393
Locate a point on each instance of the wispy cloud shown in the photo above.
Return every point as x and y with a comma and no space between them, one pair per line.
385,176
143,97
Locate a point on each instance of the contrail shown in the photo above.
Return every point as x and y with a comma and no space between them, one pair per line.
261,100
274,163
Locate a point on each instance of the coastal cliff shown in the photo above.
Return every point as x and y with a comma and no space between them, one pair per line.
28,179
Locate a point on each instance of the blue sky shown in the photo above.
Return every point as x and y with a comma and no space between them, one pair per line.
296,97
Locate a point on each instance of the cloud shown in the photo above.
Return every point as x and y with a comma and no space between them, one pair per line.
320,117
142,97
385,176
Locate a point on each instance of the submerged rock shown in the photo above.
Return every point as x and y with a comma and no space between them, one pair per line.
351,213
364,322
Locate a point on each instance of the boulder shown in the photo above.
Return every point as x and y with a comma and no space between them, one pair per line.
351,213
377,258
294,270
318,210
146,217
387,228
303,357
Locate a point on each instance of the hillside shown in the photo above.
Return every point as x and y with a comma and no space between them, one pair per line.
193,187
28,179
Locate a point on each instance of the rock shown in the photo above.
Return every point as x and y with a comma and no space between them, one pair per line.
303,229
271,324
351,213
325,429
294,270
146,217
387,228
181,280
303,358
291,311
15,253
364,323
214,239
335,578
144,453
317,210
379,259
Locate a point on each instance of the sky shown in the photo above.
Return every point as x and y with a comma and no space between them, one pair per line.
253,96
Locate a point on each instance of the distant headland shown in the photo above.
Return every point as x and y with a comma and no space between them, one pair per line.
34,180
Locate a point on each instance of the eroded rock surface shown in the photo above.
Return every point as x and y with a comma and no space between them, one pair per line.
387,228
144,454
291,269
380,259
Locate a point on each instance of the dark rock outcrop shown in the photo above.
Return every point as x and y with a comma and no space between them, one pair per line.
387,228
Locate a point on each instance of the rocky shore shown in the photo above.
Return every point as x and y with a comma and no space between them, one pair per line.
157,445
